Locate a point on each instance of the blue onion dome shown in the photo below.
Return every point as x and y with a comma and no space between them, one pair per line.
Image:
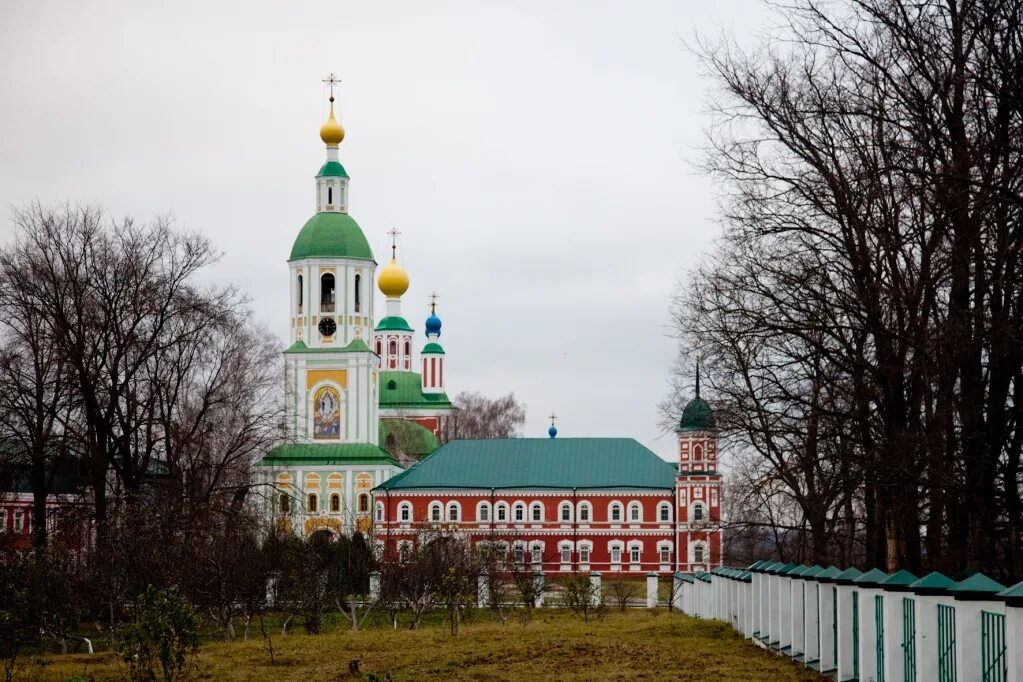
433,324
553,431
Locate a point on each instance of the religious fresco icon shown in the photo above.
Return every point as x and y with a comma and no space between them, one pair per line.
327,417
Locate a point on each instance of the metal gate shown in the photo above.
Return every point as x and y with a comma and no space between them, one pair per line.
993,666
879,636
946,643
856,633
909,639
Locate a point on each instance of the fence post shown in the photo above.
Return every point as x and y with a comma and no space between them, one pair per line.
483,590
870,617
899,637
797,607
1013,598
748,604
676,591
374,585
811,614
974,650
847,610
597,595
827,597
538,583
765,600
651,590
931,591
756,581
785,608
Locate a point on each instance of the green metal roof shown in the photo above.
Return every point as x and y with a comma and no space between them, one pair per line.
434,348
405,390
588,463
331,235
697,416
871,578
325,454
332,169
411,438
393,323
356,346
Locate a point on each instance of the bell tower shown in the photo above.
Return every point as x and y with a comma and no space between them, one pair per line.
698,487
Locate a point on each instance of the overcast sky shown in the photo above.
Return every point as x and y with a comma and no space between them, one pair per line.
537,157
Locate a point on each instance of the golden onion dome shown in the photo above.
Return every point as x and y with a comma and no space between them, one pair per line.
331,132
393,280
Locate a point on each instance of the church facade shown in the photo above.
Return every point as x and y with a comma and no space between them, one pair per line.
361,407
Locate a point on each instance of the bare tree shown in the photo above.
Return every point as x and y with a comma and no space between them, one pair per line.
477,416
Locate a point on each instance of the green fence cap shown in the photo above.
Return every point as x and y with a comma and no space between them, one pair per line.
783,569
829,574
898,581
799,571
813,571
847,576
871,578
977,587
756,565
932,583
1013,596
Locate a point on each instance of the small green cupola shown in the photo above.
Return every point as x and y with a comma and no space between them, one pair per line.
697,415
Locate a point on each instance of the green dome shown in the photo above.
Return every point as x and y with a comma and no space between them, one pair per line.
331,235
697,416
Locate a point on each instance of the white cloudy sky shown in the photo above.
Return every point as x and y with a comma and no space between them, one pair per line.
538,158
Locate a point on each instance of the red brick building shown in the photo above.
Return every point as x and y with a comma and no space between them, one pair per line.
572,504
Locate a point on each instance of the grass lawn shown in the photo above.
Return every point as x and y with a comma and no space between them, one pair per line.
638,644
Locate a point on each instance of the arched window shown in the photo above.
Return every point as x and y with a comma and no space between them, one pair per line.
635,551
616,553
664,553
408,349
330,195
327,293
312,503
615,512
502,512
454,511
483,512
698,554
537,554
698,452
358,292
519,511
698,511
301,292
536,512
565,512
584,512
285,504
404,549
378,347
435,511
380,511
335,503
363,503
635,512
405,512
664,512
392,347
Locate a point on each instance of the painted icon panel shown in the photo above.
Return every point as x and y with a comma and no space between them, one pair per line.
327,417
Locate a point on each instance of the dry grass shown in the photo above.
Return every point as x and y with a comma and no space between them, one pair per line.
556,645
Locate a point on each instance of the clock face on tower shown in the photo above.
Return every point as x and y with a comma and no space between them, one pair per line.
327,326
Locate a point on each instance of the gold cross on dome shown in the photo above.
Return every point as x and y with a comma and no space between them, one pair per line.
332,81
394,241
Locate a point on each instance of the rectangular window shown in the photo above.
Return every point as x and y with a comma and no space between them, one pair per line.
616,555
665,555
19,521
634,551
453,513
3,520
566,555
520,554
584,555
537,554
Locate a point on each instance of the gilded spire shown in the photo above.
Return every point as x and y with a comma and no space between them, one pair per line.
331,132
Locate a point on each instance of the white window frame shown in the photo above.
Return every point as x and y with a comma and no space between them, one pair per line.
519,512
562,508
562,548
405,512
380,511
615,505
703,512
535,517
436,512
664,546
635,512
585,546
536,554
661,509
19,521
613,547
457,518
3,520
483,512
501,512
635,546
585,509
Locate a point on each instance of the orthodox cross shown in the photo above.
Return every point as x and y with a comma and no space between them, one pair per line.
332,82
554,418
394,241
433,302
